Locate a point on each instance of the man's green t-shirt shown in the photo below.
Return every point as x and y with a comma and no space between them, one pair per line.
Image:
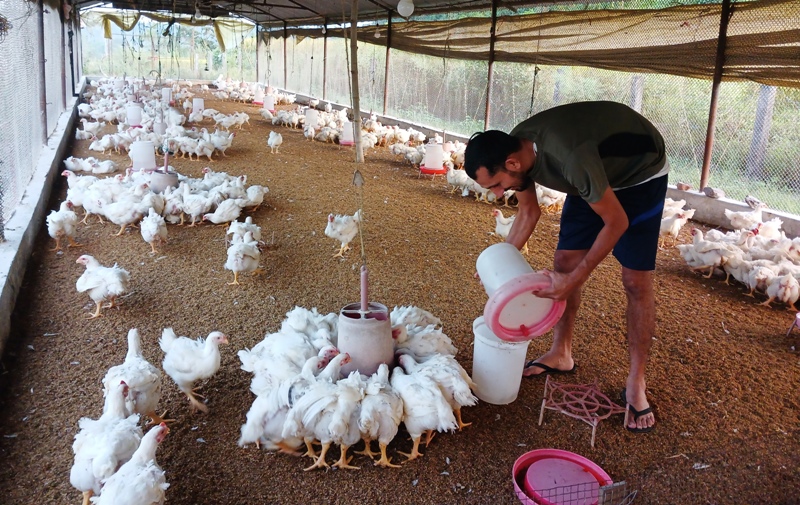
583,148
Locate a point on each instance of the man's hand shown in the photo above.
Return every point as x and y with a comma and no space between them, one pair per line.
561,285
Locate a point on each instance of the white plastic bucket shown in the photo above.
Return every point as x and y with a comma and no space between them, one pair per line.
143,155
269,103
133,114
312,118
166,95
514,312
198,105
498,264
496,365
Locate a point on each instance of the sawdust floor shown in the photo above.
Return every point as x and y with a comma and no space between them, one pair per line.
723,376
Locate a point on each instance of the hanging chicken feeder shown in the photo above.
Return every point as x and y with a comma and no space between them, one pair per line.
143,155
258,96
198,105
312,117
433,162
133,113
365,330
161,179
269,103
166,95
348,137
160,128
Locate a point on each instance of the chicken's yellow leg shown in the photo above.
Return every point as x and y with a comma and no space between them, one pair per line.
121,231
367,449
429,436
235,279
153,248
344,460
158,419
285,448
414,452
385,461
310,452
767,302
86,496
96,312
195,403
320,463
72,242
461,424
58,245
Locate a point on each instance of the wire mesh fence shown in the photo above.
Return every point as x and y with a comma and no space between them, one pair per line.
20,84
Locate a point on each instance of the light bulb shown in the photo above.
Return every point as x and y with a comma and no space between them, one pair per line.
324,30
377,33
197,12
405,8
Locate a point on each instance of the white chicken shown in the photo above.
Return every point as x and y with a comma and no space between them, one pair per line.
424,407
255,196
316,426
671,226
413,316
267,415
423,342
103,445
274,141
143,380
62,223
140,481
187,361
786,289
102,283
550,200
238,230
227,211
154,230
503,226
243,256
381,414
344,229
325,411
455,383
745,220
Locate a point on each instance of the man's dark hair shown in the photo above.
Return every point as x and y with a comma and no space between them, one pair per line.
489,149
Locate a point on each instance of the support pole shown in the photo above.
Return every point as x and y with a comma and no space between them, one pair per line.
63,65
712,113
42,74
354,79
386,70
258,43
325,60
492,37
285,61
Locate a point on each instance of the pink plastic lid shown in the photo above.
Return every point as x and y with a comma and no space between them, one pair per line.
515,314
544,475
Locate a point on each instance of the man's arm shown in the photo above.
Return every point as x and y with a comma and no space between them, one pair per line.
527,217
615,223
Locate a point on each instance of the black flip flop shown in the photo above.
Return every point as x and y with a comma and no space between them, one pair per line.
548,370
636,414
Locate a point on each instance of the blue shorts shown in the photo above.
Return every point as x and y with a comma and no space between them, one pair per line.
638,246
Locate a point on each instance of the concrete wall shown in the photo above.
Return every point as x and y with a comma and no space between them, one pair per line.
29,216
711,211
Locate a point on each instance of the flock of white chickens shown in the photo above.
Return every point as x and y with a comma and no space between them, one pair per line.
300,399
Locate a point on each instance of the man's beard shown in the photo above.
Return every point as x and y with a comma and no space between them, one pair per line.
523,183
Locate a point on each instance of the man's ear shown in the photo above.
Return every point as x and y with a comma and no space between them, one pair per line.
513,163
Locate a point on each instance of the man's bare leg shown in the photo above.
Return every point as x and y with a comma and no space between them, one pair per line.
641,321
560,354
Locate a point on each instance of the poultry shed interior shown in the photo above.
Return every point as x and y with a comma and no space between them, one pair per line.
722,376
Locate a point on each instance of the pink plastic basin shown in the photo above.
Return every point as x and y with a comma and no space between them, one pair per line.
515,314
550,473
